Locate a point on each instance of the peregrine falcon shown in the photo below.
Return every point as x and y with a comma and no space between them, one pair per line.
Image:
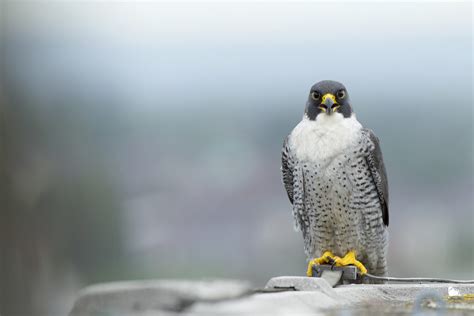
334,175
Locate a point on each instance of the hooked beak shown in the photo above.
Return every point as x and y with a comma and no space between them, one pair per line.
329,103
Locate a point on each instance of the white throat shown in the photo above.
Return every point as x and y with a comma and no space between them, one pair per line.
325,137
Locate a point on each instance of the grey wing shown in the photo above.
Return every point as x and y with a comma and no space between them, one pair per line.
379,174
293,180
287,170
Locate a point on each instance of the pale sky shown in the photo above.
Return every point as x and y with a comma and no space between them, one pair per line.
244,21
149,51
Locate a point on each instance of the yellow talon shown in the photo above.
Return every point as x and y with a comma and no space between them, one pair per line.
327,257
350,258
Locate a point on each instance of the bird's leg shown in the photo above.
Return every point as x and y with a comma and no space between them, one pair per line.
350,258
327,257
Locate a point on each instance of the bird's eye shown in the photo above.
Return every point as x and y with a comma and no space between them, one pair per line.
315,95
341,94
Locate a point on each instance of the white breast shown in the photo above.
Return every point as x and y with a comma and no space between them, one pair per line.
325,137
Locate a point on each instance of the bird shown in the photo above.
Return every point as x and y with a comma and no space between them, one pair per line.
335,178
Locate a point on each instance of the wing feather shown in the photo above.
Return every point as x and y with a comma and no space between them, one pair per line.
379,174
287,170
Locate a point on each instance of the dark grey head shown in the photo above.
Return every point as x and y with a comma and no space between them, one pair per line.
328,97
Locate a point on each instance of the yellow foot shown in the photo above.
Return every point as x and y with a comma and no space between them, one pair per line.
327,257
350,258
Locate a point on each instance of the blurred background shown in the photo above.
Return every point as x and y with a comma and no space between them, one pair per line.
142,140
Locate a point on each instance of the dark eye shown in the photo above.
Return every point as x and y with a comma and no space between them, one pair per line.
341,94
315,95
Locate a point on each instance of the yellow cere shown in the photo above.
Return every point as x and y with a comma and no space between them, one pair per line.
330,96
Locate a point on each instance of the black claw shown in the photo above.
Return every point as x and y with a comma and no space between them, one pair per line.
331,261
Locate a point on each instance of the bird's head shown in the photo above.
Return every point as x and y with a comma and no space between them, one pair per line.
328,98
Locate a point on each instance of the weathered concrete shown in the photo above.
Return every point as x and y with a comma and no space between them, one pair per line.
154,297
305,296
301,284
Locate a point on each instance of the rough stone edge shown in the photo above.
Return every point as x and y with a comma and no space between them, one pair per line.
155,294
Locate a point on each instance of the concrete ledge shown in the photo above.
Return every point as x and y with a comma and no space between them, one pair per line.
313,296
159,297
302,284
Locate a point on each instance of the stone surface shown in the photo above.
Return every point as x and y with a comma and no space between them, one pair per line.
274,304
301,284
304,296
154,297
